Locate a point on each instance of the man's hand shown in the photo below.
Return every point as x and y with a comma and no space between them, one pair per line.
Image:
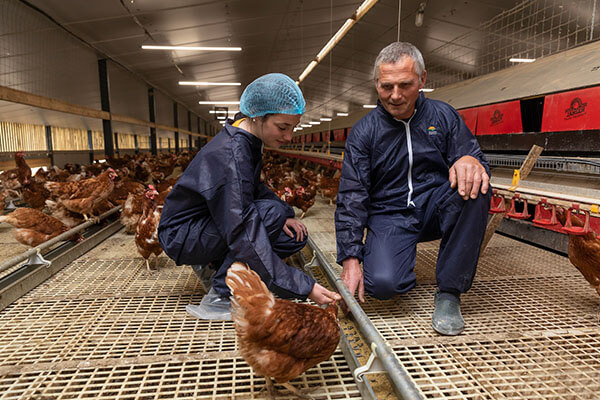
321,295
353,278
292,224
468,173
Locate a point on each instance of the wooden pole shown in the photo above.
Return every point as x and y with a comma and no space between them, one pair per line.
520,174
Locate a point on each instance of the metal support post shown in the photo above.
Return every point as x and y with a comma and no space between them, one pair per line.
189,129
105,102
176,125
91,145
153,145
49,144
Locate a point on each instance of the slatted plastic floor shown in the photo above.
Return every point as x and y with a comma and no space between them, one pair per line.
105,328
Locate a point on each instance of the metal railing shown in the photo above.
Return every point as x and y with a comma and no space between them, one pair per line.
49,243
559,164
399,378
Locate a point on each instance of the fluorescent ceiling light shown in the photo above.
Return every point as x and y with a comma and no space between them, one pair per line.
369,105
524,60
314,122
223,112
335,39
342,114
306,125
221,117
218,102
325,119
191,83
426,90
191,48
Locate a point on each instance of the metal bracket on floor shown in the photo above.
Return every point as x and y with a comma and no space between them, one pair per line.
10,206
37,259
313,261
373,366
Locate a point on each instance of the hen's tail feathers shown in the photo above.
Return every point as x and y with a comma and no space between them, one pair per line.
250,297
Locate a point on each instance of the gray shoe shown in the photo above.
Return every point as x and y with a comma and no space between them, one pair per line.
212,307
447,319
205,273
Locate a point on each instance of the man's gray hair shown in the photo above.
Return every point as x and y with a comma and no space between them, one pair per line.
395,52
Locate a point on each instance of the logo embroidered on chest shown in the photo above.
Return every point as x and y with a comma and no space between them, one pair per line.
431,130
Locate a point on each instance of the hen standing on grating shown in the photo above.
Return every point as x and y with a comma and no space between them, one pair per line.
146,235
278,338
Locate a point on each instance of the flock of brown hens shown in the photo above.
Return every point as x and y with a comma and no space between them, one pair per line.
59,199
296,184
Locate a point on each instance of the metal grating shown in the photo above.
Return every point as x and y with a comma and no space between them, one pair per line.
491,307
88,329
524,261
559,366
229,378
117,278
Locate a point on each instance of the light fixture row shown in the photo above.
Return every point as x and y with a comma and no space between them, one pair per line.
191,48
521,60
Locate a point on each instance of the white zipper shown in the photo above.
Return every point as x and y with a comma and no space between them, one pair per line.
409,201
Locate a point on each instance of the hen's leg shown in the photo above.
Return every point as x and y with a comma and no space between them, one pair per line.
270,389
148,265
302,216
296,391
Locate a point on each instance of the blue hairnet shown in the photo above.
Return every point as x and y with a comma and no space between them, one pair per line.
272,94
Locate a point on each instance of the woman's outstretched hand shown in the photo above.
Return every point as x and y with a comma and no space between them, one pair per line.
321,295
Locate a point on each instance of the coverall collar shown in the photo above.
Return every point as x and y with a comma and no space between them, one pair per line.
418,108
233,130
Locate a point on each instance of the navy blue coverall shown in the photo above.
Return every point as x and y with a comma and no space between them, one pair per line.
220,212
395,184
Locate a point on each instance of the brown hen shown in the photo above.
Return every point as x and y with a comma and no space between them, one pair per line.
584,251
132,211
123,187
329,187
278,338
83,196
34,227
301,197
3,197
65,216
15,178
146,233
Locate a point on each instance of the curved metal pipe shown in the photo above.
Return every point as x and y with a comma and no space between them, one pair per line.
401,381
63,236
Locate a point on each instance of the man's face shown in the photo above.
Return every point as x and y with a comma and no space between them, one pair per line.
277,129
398,87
